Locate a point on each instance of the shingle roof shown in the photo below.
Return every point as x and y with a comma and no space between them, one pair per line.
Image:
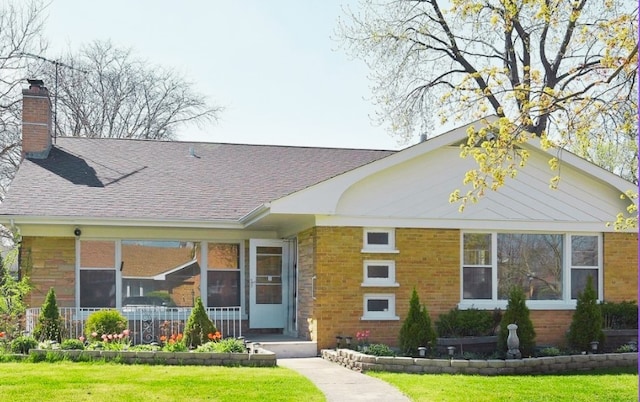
155,180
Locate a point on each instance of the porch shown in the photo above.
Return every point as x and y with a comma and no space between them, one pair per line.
145,322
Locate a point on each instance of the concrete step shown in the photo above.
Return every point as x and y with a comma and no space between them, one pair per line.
290,349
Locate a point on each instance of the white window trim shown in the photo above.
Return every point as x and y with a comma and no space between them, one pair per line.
565,304
79,267
205,268
390,281
389,315
379,248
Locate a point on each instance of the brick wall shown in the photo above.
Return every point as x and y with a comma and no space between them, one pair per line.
429,260
307,324
49,262
621,266
36,122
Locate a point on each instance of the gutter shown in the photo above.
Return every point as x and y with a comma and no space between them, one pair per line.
256,214
15,220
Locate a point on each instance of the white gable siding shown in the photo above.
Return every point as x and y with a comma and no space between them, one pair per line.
419,189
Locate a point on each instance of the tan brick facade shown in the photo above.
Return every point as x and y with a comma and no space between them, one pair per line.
50,262
307,323
428,259
621,266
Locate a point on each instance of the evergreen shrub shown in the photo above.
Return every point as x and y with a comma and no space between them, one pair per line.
586,323
198,327
458,323
517,313
50,325
416,330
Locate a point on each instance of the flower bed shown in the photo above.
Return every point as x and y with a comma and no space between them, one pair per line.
536,365
260,357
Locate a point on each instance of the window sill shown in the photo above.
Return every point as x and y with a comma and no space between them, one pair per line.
387,318
380,285
379,251
531,304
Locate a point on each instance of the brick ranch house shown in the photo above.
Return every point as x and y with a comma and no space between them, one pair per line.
309,242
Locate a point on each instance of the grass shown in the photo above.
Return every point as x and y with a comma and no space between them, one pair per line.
603,385
65,381
115,382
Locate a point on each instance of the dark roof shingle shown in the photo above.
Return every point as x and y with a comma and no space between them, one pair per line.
155,180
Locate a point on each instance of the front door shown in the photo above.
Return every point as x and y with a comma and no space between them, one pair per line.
267,283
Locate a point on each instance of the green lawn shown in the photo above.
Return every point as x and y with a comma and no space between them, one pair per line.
66,381
609,385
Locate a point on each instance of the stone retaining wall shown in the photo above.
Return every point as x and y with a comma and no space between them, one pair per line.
361,362
262,359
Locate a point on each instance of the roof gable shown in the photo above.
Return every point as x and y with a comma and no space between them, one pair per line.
412,187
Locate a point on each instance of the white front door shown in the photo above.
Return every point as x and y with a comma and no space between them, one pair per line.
267,283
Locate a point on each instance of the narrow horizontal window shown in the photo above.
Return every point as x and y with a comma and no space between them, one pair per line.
379,273
379,240
379,307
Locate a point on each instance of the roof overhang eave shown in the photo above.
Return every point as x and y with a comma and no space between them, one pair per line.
256,214
16,220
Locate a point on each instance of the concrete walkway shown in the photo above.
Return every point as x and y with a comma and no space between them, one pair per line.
340,384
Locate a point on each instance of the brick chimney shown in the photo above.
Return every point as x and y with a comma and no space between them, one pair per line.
36,121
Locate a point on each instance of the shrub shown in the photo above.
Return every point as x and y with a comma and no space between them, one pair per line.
13,293
623,315
517,313
72,344
379,349
458,323
228,345
50,325
104,322
416,330
23,343
549,351
628,348
198,327
586,324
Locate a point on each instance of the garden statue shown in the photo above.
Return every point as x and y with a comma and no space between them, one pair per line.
513,343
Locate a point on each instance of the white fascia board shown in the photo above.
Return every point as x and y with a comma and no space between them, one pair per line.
123,222
256,215
466,224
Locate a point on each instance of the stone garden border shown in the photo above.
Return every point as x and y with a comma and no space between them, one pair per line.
262,358
537,365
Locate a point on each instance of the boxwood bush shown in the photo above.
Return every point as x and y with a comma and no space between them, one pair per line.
104,322
458,323
623,315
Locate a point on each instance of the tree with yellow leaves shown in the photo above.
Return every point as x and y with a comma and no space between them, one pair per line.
561,72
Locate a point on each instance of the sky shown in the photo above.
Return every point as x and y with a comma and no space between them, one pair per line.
273,65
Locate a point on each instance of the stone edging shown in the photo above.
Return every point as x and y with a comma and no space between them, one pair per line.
557,364
263,358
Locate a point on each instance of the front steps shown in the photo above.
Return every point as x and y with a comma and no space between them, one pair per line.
283,346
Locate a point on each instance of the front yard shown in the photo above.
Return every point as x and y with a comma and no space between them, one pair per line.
107,381
619,384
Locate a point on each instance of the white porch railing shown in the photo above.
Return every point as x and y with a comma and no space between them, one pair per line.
146,324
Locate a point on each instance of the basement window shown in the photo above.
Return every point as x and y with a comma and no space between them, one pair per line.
379,307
